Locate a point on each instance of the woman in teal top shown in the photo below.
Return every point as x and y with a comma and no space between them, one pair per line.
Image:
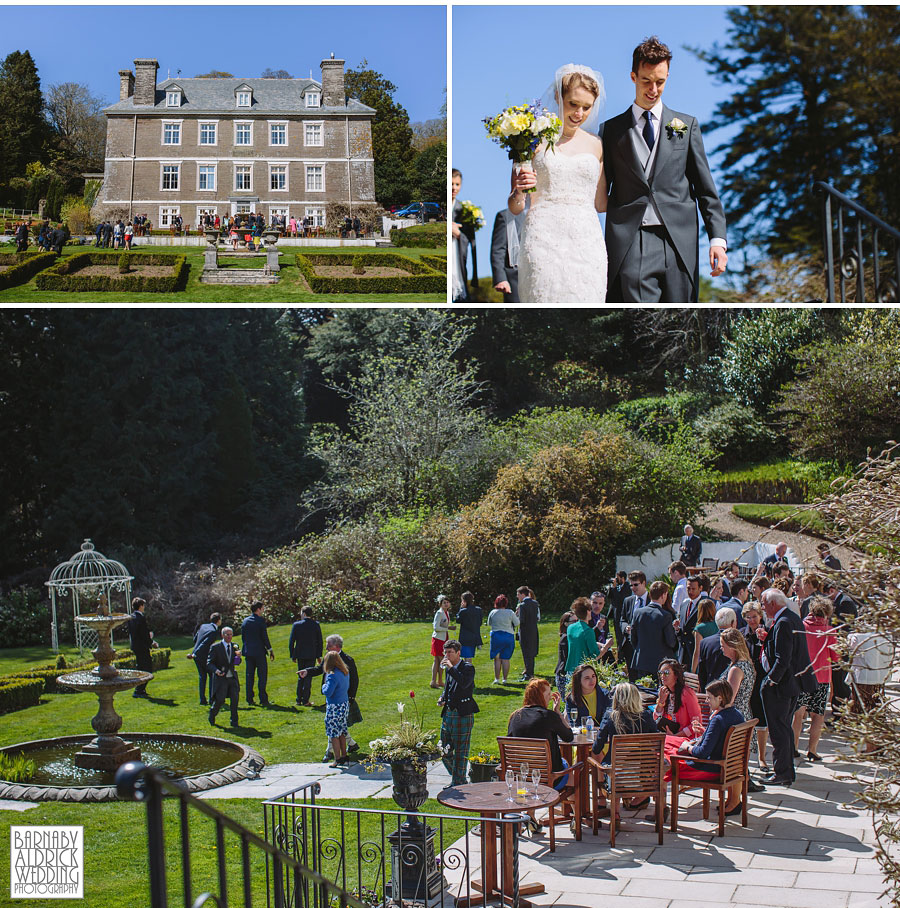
582,640
705,627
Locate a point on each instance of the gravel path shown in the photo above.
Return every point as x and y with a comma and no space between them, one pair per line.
720,518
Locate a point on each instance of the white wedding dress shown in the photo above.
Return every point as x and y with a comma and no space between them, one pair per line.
562,256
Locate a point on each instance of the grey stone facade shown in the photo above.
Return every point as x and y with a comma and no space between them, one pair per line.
279,146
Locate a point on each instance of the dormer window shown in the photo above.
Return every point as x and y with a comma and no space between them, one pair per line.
173,98
313,99
243,98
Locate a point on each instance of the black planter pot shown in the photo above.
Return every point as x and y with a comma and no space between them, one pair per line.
410,790
483,772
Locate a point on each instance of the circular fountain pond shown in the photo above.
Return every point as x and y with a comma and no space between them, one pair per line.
201,763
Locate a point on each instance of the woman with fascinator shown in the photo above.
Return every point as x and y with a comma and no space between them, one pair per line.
562,256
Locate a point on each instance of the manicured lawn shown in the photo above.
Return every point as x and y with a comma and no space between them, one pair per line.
289,289
768,514
393,659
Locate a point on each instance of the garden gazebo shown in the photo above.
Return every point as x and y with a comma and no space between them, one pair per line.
88,574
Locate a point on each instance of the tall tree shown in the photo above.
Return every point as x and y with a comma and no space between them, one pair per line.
79,127
805,84
215,74
428,173
23,129
392,136
268,73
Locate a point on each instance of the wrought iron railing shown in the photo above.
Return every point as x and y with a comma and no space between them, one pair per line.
380,856
849,233
237,875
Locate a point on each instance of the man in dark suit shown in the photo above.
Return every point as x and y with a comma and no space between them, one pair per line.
206,636
691,547
505,253
712,661
458,708
657,173
141,642
222,663
652,633
782,661
638,599
777,555
697,587
529,613
619,591
305,647
740,593
829,560
255,640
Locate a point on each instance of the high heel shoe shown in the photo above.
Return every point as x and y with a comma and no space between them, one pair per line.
814,757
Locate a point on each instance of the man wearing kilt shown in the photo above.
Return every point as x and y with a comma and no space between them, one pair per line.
458,713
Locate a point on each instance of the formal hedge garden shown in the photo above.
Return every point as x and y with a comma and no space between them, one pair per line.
438,262
19,267
65,277
421,278
423,236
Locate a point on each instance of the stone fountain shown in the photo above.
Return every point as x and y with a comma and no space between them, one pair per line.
107,751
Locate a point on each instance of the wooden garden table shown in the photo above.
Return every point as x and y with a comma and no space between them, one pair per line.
490,801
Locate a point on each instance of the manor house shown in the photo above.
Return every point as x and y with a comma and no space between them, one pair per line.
220,146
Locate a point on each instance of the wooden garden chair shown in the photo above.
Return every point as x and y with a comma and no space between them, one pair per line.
636,770
733,769
536,753
692,680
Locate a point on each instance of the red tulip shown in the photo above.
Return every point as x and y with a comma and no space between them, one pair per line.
412,694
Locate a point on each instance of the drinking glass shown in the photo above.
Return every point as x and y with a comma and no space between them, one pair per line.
573,716
535,779
510,784
524,769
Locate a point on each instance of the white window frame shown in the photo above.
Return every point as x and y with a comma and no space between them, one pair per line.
162,176
284,166
249,168
167,214
201,211
215,176
239,99
280,210
215,126
173,98
321,125
238,123
162,137
317,213
313,98
307,175
283,144
241,208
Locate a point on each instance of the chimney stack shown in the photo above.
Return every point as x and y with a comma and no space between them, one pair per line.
126,84
145,81
332,83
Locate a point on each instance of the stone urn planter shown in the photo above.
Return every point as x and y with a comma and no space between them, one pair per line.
410,790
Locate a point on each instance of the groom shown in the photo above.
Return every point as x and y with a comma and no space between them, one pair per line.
657,173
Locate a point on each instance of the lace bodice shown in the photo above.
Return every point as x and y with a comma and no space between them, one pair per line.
566,179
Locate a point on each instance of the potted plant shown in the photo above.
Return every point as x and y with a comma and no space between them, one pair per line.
483,767
406,748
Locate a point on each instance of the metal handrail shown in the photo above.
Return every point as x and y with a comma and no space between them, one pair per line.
138,782
851,263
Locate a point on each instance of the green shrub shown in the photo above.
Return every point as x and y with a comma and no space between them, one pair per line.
25,618
124,264
736,434
438,262
782,482
359,264
19,693
421,279
657,418
16,768
23,267
64,277
422,236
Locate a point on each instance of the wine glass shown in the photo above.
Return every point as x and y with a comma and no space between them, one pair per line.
510,784
535,779
573,716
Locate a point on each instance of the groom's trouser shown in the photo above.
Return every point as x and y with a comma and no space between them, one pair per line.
652,272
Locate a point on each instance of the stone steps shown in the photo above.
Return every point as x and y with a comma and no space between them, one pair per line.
238,276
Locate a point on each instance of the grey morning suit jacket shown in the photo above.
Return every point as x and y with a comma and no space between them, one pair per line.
679,182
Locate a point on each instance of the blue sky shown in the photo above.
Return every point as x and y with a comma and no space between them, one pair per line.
506,55
90,44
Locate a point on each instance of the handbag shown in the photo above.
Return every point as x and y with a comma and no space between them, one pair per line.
354,714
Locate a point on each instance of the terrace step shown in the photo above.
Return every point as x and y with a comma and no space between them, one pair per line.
238,276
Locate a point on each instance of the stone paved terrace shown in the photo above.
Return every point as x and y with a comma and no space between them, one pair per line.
807,846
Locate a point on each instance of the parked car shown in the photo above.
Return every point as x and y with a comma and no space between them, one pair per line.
421,210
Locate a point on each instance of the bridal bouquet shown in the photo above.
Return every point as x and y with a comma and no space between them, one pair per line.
470,213
521,129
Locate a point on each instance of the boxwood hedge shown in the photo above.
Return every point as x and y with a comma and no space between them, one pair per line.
65,275
424,236
438,262
421,279
19,267
19,693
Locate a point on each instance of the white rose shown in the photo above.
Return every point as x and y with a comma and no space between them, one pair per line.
507,126
540,124
678,124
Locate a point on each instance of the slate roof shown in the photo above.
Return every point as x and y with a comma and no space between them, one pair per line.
207,96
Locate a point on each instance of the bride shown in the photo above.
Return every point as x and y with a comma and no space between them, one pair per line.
562,256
